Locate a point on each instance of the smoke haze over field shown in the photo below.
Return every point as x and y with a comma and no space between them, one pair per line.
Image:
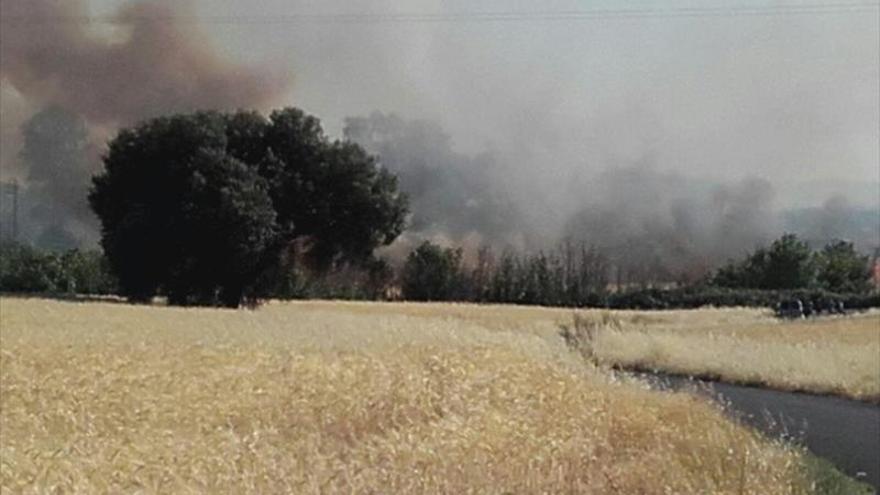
655,135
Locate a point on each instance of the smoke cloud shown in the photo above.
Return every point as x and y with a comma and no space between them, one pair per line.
157,62
59,159
79,83
672,142
451,194
654,224
658,225
836,218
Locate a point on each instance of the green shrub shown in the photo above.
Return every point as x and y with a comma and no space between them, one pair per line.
27,269
432,273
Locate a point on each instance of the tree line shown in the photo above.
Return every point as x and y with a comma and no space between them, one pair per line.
576,275
572,275
214,208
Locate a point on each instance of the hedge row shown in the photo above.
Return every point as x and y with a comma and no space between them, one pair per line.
695,297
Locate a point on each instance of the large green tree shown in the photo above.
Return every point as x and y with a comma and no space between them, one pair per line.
202,206
840,268
786,264
790,264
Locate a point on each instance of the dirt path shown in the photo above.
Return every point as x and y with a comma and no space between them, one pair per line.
846,432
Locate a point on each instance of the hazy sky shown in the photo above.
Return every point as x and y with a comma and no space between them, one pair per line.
791,98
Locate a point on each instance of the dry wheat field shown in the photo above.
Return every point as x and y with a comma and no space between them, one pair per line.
336,397
836,355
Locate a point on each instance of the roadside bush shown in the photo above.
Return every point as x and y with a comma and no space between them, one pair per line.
25,269
87,272
30,270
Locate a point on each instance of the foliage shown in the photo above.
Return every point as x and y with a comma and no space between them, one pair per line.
787,264
88,272
701,296
27,269
790,264
571,275
840,268
204,207
369,280
432,273
578,276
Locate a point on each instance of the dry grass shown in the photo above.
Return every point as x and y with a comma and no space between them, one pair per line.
838,356
345,397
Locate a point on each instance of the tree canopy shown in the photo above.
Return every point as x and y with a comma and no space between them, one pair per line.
789,263
432,273
203,207
840,268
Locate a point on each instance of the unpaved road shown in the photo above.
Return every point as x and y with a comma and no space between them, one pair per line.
846,432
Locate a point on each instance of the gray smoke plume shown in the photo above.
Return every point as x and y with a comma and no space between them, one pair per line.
664,226
653,224
59,159
451,194
674,141
836,218
78,85
159,62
